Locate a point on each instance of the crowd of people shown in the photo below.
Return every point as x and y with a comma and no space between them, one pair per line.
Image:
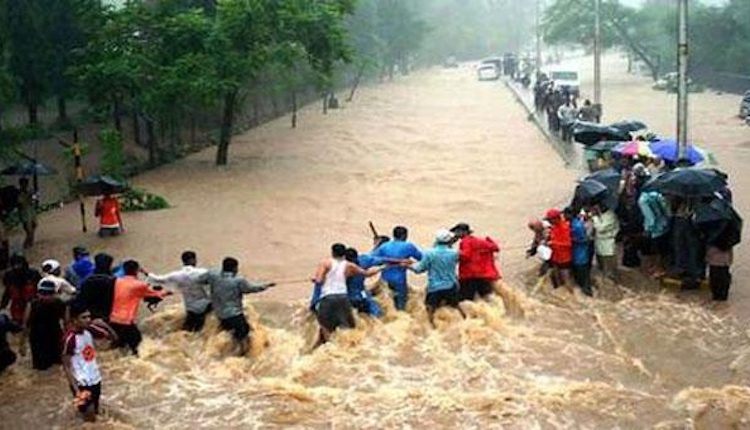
560,105
57,312
633,223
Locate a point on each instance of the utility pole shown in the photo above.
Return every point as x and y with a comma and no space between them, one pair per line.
598,57
682,79
538,17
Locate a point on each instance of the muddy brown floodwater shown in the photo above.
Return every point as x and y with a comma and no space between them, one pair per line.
426,151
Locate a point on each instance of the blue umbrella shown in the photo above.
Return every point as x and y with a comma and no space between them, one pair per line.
668,150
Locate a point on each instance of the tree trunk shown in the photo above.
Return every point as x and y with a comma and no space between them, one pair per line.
33,110
151,140
137,128
1,119
116,114
193,127
256,111
294,109
357,80
653,65
325,103
227,121
62,111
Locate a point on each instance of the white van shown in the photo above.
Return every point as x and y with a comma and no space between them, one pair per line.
566,78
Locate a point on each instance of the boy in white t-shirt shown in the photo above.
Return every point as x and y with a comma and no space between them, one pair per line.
79,359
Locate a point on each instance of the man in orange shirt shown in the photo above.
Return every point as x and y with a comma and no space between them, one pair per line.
108,211
129,291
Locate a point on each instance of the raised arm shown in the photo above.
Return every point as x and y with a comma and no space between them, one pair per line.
354,270
248,287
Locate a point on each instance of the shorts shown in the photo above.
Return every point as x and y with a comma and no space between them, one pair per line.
470,288
109,231
436,299
127,335
238,325
335,311
92,401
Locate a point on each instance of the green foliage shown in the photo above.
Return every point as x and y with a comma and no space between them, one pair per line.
113,154
140,200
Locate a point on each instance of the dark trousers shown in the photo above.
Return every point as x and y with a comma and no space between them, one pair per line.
7,358
720,280
195,321
582,276
127,335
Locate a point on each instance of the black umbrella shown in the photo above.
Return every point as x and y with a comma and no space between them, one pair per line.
611,179
688,182
605,146
719,223
28,168
629,126
97,185
591,191
589,133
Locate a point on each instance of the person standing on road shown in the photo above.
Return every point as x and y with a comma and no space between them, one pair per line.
80,268
79,359
98,290
561,242
196,299
442,284
129,292
567,114
110,220
27,211
334,310
395,276
587,112
606,227
44,325
581,260
477,271
227,289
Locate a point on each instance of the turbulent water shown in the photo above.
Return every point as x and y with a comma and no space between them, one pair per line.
559,361
426,151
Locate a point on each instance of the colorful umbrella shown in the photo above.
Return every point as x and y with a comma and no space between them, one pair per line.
668,150
633,148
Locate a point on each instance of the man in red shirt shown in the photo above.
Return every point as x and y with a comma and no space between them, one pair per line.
561,243
108,211
477,271
129,291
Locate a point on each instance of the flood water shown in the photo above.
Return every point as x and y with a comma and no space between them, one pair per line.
426,151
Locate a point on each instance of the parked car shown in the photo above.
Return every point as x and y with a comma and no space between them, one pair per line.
488,72
745,105
668,83
566,78
495,61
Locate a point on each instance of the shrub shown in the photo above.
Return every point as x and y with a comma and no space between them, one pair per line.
141,200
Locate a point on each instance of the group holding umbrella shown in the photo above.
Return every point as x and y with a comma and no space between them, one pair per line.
675,224
24,202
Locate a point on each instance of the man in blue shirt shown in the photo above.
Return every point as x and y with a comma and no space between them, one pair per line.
361,298
581,242
440,263
395,276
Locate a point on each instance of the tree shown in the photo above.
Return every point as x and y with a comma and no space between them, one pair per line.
572,22
29,51
402,32
249,35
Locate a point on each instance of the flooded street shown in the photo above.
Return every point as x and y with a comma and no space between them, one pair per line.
425,151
